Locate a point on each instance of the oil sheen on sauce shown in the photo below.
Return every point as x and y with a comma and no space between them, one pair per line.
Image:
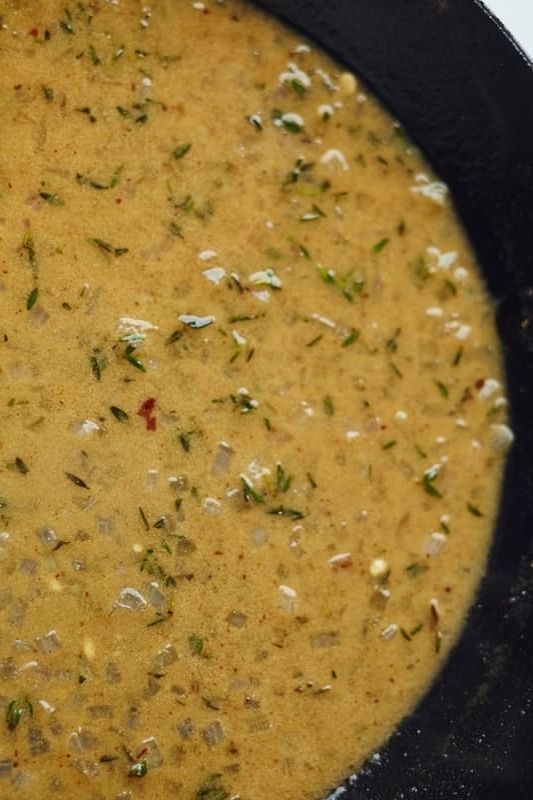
253,415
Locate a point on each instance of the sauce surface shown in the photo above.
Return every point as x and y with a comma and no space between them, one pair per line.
253,419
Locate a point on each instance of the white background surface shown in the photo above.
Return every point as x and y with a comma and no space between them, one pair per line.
517,16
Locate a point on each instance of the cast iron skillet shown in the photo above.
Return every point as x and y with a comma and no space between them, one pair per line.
464,92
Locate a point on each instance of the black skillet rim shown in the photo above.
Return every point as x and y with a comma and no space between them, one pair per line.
463,89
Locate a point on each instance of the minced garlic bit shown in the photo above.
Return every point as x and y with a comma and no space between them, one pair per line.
379,568
390,632
501,437
347,84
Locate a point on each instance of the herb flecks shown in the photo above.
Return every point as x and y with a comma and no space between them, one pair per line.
109,248
428,479
250,494
32,298
76,480
181,151
196,644
283,511
16,709
119,414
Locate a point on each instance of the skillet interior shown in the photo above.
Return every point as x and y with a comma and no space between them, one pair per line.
462,88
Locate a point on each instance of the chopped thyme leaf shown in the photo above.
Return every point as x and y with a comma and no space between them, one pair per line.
445,527
52,199
32,298
245,318
196,644
255,121
66,24
119,414
250,494
108,248
379,246
76,481
175,230
314,341
15,711
458,356
159,618
174,337
268,424
283,481
311,481
405,635
315,213
115,177
181,150
282,511
415,569
185,441
442,388
299,168
21,466
144,518
427,484
351,338
132,359
94,56
474,510
401,227
420,452
389,445
328,406
416,629
123,111
304,252
212,789
48,93
391,344
395,369
138,769
98,363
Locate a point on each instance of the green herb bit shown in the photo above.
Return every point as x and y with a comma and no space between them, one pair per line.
416,629
283,481
379,246
389,445
144,518
351,338
108,248
32,298
196,644
138,769
416,569
98,363
405,635
84,180
88,113
66,24
401,227
119,414
181,150
76,481
93,55
28,246
185,441
48,93
267,423
421,271
52,199
250,494
159,618
304,252
132,359
115,177
16,710
445,527
311,480
450,287
300,167
314,341
123,111
245,318
174,337
458,356
286,121
282,511
328,406
427,483
21,466
212,789
474,510
142,119
442,388
175,230
244,402
420,452
391,344
397,371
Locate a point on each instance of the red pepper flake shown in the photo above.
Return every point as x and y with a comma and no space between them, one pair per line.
479,384
146,411
33,32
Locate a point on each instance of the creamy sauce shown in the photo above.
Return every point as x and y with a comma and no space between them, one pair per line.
252,409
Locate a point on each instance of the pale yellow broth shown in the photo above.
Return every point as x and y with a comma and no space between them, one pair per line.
233,556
